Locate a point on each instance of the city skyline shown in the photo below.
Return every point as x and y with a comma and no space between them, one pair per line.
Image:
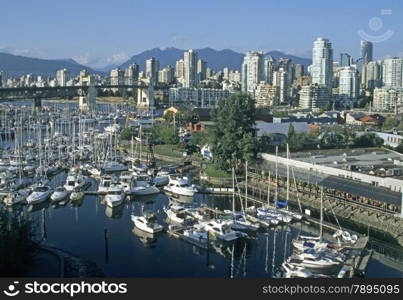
53,30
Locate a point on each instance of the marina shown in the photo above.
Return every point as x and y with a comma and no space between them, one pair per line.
126,214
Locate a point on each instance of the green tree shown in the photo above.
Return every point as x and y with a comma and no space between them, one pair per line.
399,148
234,134
390,123
128,133
165,133
292,139
368,140
200,138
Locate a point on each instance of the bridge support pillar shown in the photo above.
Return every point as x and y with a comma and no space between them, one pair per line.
88,102
37,104
145,97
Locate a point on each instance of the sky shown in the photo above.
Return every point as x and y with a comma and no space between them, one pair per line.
97,33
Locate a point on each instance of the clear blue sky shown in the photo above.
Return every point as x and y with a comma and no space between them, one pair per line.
100,32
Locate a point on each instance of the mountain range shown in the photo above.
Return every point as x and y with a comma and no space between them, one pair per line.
216,59
16,65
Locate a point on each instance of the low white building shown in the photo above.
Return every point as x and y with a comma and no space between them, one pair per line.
387,99
200,97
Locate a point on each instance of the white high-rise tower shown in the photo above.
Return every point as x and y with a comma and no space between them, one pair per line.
190,68
322,63
252,71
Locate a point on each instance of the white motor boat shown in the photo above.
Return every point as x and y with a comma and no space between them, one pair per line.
145,190
59,194
161,180
76,181
126,180
146,224
222,230
177,214
115,196
40,194
104,184
180,187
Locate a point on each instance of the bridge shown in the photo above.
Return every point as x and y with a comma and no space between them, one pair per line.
141,91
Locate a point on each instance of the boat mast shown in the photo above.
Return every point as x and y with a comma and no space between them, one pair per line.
233,191
321,213
246,184
288,175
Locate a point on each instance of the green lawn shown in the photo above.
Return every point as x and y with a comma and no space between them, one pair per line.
168,150
212,171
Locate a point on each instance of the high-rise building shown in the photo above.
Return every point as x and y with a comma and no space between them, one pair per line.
371,76
225,73
252,71
280,79
201,70
314,96
366,51
235,76
190,68
348,85
166,75
298,71
286,64
117,76
345,60
392,72
209,72
322,63
269,68
180,69
62,76
152,68
131,74
3,78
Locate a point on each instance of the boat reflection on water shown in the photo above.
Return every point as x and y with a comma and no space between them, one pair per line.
38,206
149,240
181,198
77,202
115,212
60,204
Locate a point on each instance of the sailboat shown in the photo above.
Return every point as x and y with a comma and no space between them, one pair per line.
240,221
